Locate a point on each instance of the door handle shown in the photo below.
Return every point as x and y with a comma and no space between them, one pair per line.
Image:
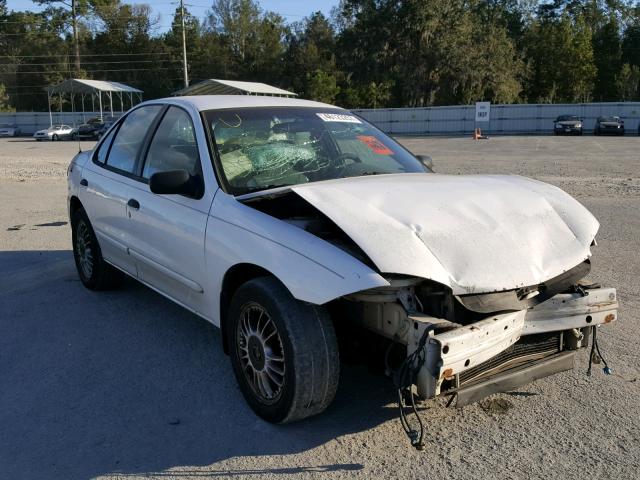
133,203
84,182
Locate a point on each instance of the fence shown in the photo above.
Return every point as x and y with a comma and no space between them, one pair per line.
457,120
30,122
504,119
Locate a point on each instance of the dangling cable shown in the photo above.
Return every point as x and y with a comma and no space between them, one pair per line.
595,347
404,378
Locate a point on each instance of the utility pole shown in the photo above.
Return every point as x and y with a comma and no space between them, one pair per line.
75,36
184,47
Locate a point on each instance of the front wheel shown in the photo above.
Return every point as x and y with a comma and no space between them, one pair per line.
54,138
283,351
94,272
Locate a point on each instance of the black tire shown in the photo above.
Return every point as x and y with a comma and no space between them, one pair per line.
306,341
95,274
54,137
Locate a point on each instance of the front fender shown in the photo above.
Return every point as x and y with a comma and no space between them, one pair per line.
313,270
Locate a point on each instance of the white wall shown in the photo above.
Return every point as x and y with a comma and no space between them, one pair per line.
505,119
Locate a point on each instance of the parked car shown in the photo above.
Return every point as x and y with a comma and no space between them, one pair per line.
54,132
567,125
609,126
283,220
89,130
103,129
9,130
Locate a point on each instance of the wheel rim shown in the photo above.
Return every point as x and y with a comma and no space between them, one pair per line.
260,353
84,251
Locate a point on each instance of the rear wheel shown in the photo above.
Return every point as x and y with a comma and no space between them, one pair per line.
94,272
284,352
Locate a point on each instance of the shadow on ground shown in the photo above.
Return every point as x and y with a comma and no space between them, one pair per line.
126,382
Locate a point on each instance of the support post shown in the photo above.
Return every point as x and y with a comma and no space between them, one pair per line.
110,103
49,105
100,102
184,47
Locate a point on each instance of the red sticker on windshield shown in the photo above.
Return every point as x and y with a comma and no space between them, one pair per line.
375,145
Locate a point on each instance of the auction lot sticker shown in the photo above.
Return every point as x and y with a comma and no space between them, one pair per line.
337,117
375,145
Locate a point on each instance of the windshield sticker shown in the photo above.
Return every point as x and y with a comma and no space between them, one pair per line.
337,117
375,145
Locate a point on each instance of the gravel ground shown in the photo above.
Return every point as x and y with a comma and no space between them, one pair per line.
125,384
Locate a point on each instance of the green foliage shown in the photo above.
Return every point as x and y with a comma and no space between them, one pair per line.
628,83
371,54
4,100
322,87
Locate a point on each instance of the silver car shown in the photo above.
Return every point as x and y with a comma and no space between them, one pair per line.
9,130
54,132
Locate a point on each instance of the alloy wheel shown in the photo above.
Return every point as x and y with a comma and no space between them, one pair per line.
261,353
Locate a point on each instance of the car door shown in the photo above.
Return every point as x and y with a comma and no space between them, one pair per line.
168,231
109,180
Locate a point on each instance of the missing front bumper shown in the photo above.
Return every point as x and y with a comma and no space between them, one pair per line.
479,353
513,378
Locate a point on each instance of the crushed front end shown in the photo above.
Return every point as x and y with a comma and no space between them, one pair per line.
476,345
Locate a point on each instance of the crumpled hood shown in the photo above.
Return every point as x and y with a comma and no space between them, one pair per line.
474,233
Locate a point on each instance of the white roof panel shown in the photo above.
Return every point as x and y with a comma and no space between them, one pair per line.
214,86
81,85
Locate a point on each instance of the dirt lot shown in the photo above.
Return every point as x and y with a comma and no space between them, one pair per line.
126,384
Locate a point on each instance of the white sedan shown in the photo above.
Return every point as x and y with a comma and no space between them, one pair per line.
54,132
284,221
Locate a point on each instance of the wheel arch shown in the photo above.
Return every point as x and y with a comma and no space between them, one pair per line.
234,277
74,205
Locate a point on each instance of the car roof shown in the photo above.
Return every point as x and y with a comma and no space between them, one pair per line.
211,102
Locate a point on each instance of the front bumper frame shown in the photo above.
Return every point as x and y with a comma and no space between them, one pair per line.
458,349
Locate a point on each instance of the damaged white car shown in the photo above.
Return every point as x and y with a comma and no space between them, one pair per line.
283,221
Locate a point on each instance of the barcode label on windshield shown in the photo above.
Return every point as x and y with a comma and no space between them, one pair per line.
337,117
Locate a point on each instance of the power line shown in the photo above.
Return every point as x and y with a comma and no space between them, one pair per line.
89,61
87,71
88,55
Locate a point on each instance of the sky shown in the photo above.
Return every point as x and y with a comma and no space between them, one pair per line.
291,10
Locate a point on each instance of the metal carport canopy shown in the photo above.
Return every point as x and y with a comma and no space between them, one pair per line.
213,86
96,88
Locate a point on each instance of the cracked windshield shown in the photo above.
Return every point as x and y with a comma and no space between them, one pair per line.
262,148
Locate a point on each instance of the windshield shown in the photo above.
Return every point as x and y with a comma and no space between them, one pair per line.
269,147
609,119
567,118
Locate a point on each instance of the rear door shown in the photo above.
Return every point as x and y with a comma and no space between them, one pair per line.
168,231
110,180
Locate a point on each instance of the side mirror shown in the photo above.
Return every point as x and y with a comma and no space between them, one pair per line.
175,182
427,161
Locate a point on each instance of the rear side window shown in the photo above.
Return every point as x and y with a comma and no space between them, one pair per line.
173,146
104,148
130,138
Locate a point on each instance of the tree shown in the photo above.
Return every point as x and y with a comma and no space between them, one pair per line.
322,87
628,83
607,55
4,100
561,60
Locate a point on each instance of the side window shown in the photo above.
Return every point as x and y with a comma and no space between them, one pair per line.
130,137
173,146
104,148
